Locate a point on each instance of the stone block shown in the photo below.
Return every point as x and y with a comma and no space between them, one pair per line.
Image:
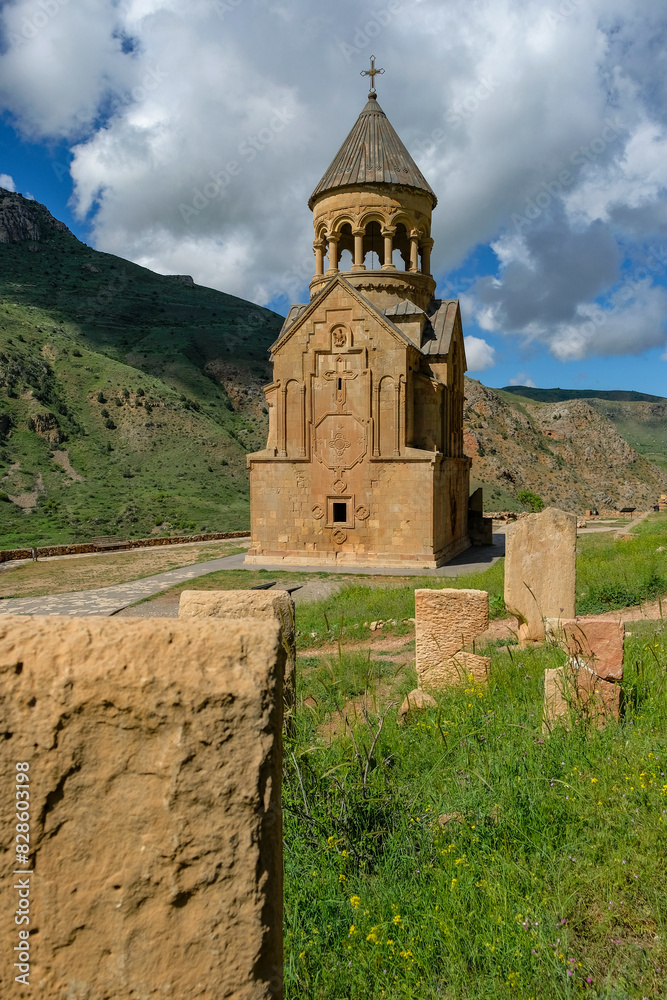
540,570
414,703
446,621
154,753
597,644
263,605
576,694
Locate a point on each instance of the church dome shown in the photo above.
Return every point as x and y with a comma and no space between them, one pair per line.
372,154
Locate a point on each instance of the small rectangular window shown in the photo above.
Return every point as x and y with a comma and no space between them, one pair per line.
340,513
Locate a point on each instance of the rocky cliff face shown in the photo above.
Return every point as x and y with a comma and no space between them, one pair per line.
568,452
22,219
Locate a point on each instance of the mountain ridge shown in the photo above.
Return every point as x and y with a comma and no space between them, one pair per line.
128,401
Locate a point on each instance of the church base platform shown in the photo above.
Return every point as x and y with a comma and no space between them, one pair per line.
342,561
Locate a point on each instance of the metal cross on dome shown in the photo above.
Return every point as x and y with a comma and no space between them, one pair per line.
372,72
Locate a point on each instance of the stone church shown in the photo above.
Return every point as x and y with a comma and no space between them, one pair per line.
364,461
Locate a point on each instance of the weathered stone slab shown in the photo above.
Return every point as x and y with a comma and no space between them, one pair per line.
577,694
540,570
154,753
446,621
264,605
597,644
413,704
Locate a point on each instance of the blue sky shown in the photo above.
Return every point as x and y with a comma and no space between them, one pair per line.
187,135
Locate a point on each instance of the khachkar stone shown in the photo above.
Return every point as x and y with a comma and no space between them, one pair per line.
153,751
540,570
446,622
264,605
364,461
588,686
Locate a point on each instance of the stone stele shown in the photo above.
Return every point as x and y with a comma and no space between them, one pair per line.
446,621
264,605
597,644
154,752
576,693
540,562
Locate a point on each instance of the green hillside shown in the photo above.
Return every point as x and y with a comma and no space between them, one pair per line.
114,417
560,395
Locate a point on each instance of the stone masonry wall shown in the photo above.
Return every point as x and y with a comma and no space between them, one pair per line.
154,754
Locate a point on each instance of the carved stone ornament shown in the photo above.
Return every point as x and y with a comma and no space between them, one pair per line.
339,338
317,511
339,536
339,486
362,512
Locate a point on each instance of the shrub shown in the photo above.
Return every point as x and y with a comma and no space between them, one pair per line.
530,500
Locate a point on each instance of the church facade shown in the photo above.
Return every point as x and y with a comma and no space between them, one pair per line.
364,462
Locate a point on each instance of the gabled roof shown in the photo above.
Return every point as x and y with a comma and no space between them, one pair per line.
372,154
298,313
442,318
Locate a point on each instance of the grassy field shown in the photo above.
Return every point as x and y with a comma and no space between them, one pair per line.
87,572
128,369
465,854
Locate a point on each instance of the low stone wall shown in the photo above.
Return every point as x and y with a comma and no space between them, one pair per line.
132,543
146,757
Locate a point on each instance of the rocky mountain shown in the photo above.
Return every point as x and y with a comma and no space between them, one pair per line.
570,452
128,399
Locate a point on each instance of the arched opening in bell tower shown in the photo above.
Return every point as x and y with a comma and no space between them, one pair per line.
373,246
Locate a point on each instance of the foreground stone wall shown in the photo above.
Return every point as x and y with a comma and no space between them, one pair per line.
154,753
540,570
263,605
446,621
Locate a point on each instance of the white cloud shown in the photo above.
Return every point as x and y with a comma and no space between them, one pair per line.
7,182
522,378
496,99
479,354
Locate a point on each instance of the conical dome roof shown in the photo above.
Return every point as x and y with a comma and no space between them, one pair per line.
372,154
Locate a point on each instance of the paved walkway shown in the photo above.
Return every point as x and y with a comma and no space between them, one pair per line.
108,601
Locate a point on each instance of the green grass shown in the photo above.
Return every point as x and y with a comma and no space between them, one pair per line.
552,863
614,573
76,324
343,614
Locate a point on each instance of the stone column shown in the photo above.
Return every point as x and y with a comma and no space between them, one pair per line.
427,246
376,420
282,423
333,253
358,264
302,450
397,438
414,251
319,247
388,234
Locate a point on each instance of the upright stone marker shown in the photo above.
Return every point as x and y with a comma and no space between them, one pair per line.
264,605
445,622
153,753
540,570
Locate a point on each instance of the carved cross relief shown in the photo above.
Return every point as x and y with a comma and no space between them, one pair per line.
339,376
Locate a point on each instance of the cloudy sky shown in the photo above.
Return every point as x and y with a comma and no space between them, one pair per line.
187,135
